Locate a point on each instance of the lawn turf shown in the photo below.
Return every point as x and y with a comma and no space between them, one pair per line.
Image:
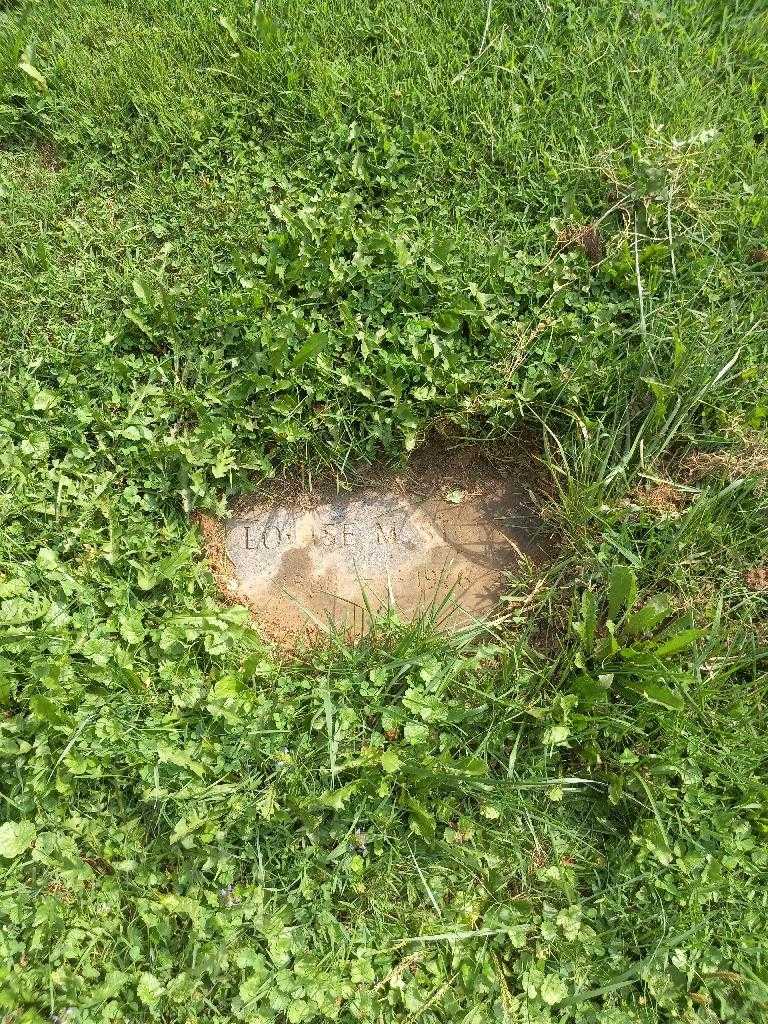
250,240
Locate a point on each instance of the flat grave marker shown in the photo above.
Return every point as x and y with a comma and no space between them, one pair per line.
444,539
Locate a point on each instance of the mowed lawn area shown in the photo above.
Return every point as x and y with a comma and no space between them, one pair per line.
254,241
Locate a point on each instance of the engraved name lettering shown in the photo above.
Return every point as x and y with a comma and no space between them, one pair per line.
325,538
270,539
387,534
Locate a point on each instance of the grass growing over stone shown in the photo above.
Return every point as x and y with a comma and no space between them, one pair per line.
257,239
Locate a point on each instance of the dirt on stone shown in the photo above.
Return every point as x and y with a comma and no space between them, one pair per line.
441,537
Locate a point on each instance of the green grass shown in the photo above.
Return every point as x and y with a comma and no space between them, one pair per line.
278,238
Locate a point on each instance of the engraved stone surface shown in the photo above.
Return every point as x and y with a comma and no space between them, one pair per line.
441,539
